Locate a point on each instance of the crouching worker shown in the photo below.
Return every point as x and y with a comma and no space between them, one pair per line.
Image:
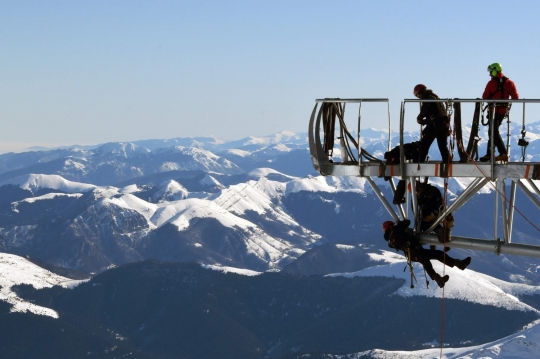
402,238
430,204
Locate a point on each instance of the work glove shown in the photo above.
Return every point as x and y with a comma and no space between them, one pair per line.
430,217
449,221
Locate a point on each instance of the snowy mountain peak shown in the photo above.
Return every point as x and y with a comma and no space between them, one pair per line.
209,181
34,182
121,149
170,191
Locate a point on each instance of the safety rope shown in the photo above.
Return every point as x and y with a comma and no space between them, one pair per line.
368,156
503,196
507,115
450,111
409,263
446,233
331,110
451,148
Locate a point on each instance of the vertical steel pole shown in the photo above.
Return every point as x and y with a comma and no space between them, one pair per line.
401,154
407,200
504,212
389,127
358,133
492,144
511,210
414,200
496,211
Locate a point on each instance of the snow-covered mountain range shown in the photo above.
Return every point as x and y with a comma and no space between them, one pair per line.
252,205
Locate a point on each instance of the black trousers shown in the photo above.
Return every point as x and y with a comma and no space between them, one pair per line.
499,143
424,256
429,134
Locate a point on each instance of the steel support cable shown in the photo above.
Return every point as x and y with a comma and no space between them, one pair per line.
449,157
329,111
522,142
503,196
345,134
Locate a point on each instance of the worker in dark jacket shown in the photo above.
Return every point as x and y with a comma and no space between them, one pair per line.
430,206
403,238
434,116
498,87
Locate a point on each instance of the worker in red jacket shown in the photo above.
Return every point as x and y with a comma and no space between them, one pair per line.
499,87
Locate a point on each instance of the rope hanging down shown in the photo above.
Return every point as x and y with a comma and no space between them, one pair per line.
522,142
331,111
336,110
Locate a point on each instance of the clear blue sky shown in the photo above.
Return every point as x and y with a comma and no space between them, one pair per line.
88,72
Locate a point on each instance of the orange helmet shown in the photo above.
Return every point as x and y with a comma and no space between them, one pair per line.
387,224
418,89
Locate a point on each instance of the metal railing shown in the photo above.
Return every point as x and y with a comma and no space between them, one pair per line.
518,172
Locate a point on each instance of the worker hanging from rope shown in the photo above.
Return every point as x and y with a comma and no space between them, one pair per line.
402,238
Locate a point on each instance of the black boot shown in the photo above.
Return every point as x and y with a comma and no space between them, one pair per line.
463,263
441,281
400,193
440,234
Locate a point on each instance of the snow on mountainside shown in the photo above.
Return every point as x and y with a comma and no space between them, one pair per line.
328,184
17,270
258,186
464,285
34,182
223,269
285,152
521,345
245,207
117,221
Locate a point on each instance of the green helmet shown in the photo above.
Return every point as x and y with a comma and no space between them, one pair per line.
494,69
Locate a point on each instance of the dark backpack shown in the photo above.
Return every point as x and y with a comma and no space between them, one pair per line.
410,150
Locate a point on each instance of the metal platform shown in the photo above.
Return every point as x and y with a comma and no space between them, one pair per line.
516,170
522,175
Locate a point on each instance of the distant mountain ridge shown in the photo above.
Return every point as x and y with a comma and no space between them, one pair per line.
168,199
137,215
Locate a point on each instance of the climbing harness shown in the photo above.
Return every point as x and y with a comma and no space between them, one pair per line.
452,133
409,263
522,142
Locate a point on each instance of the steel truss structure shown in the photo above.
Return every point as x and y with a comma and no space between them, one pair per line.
520,175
